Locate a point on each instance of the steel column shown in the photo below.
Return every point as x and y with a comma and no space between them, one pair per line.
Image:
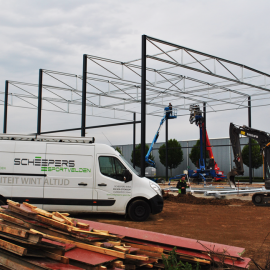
166,153
143,105
40,82
134,138
84,86
249,141
5,108
204,132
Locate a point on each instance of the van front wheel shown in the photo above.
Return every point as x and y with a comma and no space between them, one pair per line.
139,210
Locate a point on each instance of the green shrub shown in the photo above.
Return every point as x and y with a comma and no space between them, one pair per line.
172,264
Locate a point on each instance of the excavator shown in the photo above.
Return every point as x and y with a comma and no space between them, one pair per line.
263,138
150,170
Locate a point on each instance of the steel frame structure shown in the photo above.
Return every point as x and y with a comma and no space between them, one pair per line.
240,88
118,90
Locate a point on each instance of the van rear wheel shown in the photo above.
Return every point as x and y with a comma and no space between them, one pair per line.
139,210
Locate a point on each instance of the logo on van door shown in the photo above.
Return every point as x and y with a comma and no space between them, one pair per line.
57,165
38,161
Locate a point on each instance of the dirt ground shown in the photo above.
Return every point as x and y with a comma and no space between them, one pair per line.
232,222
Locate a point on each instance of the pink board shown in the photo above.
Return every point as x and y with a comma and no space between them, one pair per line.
88,257
50,264
167,239
241,262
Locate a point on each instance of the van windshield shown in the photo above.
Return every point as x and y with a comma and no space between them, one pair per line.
129,165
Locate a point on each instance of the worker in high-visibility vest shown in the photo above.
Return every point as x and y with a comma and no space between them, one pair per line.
182,185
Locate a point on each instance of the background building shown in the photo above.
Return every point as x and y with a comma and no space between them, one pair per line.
222,153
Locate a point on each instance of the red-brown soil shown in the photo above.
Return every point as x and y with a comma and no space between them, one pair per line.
231,222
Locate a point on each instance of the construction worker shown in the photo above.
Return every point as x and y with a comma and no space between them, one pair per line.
169,112
182,185
170,108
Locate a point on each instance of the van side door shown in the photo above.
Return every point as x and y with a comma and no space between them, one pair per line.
28,174
113,192
69,182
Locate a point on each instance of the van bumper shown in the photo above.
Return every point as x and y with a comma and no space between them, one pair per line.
156,204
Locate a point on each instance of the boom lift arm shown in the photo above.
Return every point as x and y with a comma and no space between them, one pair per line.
262,137
147,160
169,113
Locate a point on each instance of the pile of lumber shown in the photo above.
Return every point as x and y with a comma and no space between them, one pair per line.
32,238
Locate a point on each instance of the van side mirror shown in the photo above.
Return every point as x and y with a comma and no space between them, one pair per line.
127,176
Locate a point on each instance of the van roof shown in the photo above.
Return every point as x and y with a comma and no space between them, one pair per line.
34,137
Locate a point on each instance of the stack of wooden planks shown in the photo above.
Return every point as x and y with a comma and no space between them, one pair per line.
32,238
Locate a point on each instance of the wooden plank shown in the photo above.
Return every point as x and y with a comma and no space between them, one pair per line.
22,211
13,248
115,243
61,220
82,225
12,261
122,249
118,264
34,238
14,231
56,257
42,212
15,221
145,247
53,223
29,205
98,244
152,254
101,231
67,220
93,233
10,202
135,257
90,247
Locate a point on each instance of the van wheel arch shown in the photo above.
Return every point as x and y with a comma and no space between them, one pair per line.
138,199
135,199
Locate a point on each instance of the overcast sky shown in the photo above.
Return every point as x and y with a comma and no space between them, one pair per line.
55,35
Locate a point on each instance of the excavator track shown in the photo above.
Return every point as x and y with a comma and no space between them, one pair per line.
261,198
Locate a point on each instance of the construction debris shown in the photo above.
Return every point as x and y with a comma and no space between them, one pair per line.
32,238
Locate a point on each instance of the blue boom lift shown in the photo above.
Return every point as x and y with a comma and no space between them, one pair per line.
150,171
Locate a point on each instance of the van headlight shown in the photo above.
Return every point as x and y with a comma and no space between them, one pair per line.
156,188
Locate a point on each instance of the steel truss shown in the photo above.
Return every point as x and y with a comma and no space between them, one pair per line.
235,87
118,90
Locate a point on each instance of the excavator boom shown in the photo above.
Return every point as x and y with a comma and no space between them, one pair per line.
262,137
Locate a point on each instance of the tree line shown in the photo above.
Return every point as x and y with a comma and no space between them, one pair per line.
175,154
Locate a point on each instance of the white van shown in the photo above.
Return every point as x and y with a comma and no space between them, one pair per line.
73,174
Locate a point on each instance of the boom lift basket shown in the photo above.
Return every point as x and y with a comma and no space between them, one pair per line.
171,114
